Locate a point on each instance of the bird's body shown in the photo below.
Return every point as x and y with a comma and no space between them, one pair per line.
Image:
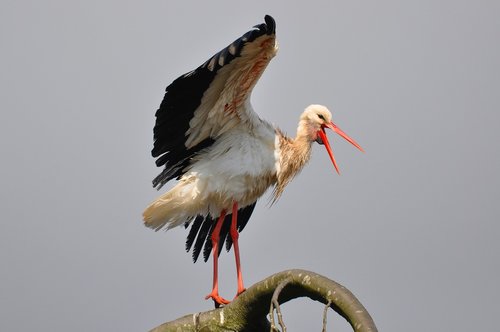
222,153
240,166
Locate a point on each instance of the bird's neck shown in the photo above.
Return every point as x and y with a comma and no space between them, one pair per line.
294,154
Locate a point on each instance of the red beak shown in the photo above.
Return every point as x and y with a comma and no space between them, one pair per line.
324,139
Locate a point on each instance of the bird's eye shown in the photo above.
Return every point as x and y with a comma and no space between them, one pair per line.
321,117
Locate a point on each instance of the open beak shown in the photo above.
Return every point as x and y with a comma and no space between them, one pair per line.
324,139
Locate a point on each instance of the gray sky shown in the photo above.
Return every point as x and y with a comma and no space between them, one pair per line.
411,226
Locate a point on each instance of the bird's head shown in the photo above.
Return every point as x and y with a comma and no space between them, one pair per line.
314,120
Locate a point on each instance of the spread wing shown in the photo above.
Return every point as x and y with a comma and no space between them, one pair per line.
200,106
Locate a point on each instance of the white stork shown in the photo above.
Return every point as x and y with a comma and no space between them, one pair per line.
224,156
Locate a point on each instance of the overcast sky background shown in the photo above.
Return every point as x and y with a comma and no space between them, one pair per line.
411,227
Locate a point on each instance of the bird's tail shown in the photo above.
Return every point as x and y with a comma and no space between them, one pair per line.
173,208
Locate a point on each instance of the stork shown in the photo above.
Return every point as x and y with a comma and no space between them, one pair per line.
224,156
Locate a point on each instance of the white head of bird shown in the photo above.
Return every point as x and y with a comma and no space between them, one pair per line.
313,122
295,153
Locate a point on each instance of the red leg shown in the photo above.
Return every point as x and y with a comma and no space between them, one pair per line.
214,295
234,237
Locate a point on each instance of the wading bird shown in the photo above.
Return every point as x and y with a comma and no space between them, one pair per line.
208,137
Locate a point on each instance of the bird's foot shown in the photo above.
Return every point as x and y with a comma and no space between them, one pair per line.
218,300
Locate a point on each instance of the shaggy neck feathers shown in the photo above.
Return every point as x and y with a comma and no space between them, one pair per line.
294,155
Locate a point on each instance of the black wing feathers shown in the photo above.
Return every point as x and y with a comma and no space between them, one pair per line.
182,98
205,231
198,221
201,231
